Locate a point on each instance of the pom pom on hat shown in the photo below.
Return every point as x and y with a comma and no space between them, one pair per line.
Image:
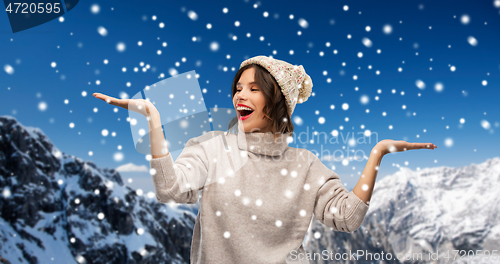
295,84
305,90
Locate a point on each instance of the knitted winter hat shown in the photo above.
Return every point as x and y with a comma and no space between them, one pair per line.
295,84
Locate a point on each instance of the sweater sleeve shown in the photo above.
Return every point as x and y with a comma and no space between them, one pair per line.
336,207
180,181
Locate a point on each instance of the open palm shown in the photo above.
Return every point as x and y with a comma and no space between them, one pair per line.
388,146
140,106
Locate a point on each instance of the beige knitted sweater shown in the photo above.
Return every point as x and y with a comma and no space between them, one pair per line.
257,198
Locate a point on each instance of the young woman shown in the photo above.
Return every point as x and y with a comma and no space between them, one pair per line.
257,199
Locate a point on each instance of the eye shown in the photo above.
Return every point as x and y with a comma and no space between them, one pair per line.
253,89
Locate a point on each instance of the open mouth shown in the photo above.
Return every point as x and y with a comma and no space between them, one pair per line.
244,113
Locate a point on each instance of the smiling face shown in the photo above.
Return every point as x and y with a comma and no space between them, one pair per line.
249,95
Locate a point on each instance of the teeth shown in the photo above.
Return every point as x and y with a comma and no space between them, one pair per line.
244,108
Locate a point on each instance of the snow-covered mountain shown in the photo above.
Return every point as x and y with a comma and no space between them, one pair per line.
434,210
57,208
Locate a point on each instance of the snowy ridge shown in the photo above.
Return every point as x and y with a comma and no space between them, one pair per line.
58,208
432,210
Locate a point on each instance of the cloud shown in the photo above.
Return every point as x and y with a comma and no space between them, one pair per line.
132,167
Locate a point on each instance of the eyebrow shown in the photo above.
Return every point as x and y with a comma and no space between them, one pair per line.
238,84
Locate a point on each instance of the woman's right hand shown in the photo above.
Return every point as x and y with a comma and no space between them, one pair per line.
140,106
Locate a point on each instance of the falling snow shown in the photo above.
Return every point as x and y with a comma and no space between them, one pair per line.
465,19
362,54
8,69
100,216
485,124
103,32
118,156
42,106
95,9
192,15
120,47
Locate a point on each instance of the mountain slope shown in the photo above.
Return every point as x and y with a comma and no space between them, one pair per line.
434,210
57,208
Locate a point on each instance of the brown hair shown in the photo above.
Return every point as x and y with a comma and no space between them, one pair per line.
275,109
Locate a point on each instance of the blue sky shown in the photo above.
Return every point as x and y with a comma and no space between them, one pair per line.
397,54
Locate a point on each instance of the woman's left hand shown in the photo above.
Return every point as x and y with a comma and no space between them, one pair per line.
388,145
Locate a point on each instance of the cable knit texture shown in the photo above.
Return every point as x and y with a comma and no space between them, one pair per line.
295,84
257,196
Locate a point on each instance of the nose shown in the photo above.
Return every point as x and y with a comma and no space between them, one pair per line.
242,94
240,97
